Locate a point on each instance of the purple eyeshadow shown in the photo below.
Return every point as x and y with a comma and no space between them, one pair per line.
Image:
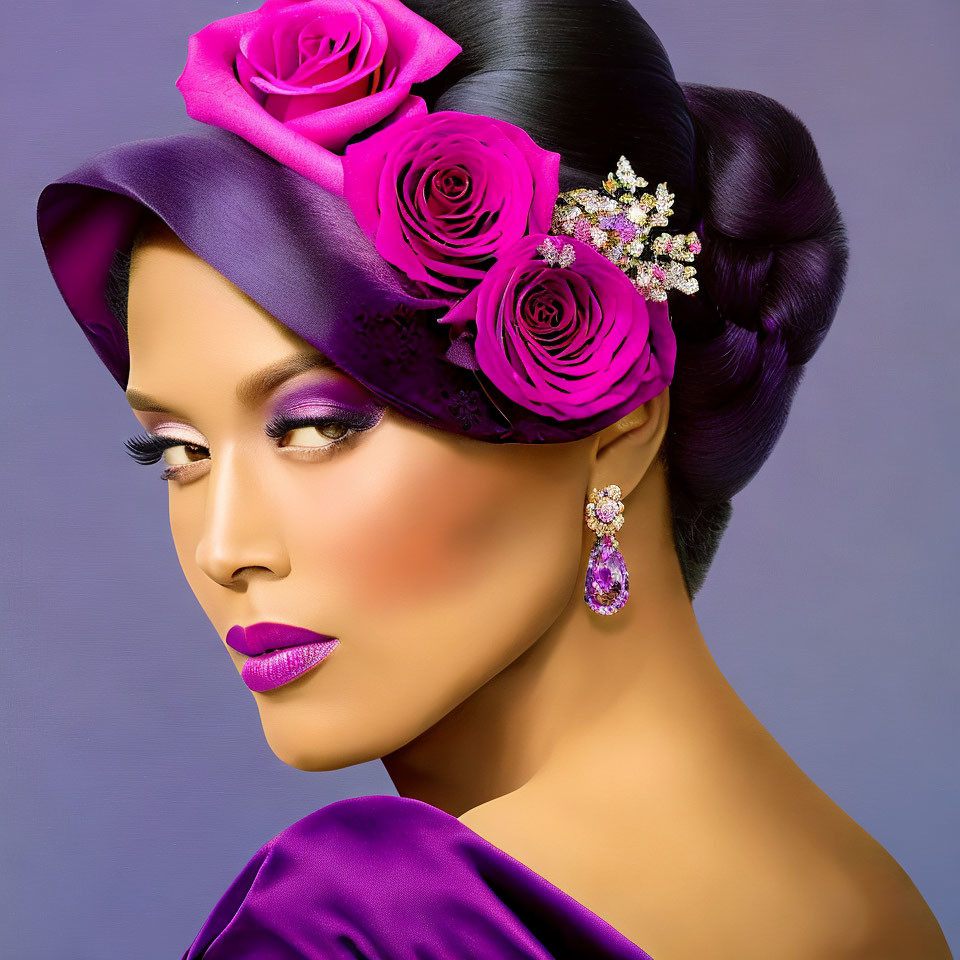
327,399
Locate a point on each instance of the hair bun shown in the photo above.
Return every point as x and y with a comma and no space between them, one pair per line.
774,243
771,273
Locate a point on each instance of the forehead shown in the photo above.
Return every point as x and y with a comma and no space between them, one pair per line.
182,313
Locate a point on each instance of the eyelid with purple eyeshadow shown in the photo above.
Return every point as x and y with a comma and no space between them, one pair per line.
327,398
339,400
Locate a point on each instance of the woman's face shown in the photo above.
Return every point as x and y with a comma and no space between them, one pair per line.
436,560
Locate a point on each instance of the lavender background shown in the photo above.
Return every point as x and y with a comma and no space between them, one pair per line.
136,781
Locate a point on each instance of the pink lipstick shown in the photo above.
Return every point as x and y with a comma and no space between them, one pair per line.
278,652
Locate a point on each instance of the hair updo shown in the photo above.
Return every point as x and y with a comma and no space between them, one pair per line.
590,80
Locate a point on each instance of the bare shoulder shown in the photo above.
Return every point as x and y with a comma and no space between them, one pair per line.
883,915
775,869
791,863
826,889
809,883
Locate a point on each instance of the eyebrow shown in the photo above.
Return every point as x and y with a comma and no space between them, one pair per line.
253,388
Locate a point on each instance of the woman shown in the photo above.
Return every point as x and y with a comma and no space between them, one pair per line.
448,460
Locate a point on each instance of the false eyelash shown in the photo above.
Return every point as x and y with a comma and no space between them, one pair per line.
148,448
281,424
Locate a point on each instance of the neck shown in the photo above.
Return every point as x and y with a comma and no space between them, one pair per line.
590,692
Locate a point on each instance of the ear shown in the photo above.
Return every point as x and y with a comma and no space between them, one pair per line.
626,449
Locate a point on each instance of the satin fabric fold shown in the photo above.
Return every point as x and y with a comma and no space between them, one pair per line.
393,878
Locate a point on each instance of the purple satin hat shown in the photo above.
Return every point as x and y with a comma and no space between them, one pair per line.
296,249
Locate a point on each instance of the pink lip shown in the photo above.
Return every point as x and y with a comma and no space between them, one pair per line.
278,652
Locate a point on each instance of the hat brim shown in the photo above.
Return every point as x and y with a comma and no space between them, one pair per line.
294,248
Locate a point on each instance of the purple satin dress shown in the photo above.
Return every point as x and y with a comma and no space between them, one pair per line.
393,878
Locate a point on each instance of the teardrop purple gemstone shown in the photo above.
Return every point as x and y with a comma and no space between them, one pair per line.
607,586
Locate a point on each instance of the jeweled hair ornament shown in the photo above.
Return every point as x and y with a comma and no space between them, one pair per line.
430,256
618,223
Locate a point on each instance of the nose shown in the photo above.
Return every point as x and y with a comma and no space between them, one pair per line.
241,533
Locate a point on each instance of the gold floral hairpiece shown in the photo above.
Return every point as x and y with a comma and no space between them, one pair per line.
617,223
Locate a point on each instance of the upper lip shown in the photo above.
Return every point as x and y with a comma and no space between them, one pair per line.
260,637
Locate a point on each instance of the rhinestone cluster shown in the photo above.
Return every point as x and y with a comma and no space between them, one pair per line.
617,223
557,253
605,512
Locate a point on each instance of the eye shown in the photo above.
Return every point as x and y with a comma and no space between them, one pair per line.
179,455
332,431
184,453
320,433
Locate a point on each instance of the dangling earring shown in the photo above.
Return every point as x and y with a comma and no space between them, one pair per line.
607,585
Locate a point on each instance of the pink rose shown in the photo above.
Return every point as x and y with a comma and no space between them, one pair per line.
444,194
299,78
568,340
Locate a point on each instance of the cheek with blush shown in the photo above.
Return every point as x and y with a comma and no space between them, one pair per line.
450,519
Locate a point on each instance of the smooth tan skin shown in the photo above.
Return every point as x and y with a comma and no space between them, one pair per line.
608,754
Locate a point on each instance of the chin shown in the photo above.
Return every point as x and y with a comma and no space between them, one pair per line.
316,741
326,751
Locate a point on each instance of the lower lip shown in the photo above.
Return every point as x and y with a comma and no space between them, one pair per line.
270,670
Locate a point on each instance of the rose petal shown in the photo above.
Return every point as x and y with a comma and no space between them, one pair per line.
617,347
449,241
310,143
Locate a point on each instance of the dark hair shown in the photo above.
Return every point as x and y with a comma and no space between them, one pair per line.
118,283
117,287
592,81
